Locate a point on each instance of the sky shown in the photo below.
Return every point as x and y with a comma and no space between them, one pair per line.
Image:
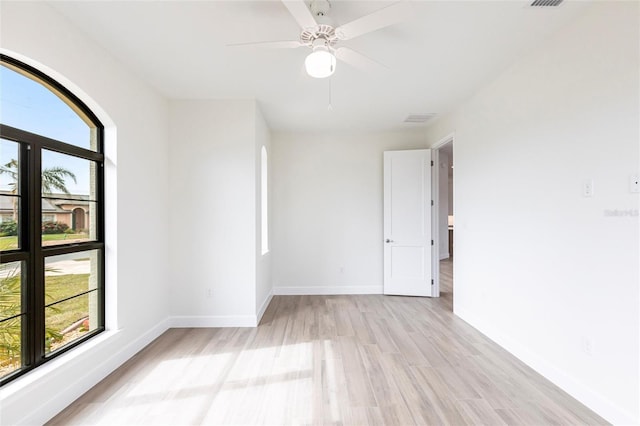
29,106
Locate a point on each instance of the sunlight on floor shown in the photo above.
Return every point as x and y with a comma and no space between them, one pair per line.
209,389
275,376
170,374
331,381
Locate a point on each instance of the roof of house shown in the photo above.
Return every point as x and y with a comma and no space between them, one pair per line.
49,205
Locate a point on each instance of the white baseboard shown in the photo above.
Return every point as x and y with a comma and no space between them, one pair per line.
45,410
327,290
263,307
213,321
573,387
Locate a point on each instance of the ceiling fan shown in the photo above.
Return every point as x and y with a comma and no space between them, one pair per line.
323,38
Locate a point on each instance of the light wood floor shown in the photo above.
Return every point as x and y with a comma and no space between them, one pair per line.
446,283
330,360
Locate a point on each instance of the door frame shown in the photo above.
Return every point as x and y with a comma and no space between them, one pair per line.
435,213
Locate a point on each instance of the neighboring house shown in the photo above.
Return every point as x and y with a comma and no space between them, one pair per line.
73,211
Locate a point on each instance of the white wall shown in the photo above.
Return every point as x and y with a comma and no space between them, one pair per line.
136,119
264,285
213,212
539,268
327,195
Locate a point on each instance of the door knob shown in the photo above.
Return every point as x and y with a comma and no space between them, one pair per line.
388,241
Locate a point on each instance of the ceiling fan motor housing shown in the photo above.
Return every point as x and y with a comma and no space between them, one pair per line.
324,33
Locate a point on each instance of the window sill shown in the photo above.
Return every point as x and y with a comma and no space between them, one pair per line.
49,367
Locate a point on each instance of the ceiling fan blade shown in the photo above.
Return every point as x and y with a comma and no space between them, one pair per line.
301,13
358,60
389,15
270,44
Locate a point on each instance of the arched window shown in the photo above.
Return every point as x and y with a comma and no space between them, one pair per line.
264,200
52,220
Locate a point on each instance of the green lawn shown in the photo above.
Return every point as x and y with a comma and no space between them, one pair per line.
61,287
10,243
58,317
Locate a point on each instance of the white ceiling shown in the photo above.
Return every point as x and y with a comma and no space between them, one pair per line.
437,59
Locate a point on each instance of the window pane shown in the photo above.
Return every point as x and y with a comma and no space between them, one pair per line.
70,320
9,222
68,177
28,105
67,221
10,345
69,212
9,194
71,274
11,307
9,164
10,290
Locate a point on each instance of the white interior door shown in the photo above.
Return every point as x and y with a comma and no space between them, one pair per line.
407,222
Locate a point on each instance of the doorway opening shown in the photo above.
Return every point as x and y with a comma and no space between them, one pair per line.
444,222
78,222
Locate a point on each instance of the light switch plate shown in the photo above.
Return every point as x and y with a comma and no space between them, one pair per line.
587,188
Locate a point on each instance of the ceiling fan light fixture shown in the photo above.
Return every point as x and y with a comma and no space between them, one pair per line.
320,63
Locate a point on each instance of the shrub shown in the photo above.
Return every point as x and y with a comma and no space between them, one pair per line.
54,227
8,228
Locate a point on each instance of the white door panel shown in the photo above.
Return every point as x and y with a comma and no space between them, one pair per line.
407,222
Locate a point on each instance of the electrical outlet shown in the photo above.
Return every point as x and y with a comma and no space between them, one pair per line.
587,188
209,292
634,183
587,345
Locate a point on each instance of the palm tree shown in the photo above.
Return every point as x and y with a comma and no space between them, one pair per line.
53,178
10,329
10,303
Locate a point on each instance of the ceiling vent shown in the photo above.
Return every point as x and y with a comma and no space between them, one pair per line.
418,118
546,3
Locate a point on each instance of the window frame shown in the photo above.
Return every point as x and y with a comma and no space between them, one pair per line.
31,251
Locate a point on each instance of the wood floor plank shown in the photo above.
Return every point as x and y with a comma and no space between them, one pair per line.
432,389
360,328
479,412
406,345
330,360
429,349
382,380
397,415
411,391
381,334
358,385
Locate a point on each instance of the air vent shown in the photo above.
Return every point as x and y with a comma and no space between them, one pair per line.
546,3
419,118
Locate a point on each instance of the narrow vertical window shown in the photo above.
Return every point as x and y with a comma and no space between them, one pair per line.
264,199
51,220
